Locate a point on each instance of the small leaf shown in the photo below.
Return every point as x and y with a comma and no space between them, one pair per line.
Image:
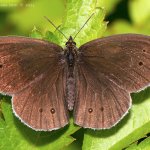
36,33
51,37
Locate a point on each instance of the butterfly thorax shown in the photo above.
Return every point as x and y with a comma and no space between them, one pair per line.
70,54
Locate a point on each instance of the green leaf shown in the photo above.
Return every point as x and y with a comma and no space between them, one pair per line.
36,33
50,36
15,135
144,145
134,126
77,13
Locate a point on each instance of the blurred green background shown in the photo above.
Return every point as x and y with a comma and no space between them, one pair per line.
18,17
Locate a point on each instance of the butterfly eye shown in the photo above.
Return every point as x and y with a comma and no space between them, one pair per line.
74,43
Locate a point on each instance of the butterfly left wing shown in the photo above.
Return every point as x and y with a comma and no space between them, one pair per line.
32,72
23,59
109,69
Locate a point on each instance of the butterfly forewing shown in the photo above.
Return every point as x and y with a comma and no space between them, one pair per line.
124,59
23,60
32,71
109,69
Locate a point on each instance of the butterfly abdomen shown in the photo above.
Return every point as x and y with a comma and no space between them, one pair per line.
70,92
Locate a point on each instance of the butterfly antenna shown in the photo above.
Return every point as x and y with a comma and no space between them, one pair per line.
83,26
55,26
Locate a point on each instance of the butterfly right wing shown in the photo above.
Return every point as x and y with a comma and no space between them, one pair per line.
123,59
109,69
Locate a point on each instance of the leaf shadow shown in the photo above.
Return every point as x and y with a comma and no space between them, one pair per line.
138,98
38,138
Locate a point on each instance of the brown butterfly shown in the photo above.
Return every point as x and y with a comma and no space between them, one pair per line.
95,80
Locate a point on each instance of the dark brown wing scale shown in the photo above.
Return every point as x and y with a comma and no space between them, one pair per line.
31,71
108,70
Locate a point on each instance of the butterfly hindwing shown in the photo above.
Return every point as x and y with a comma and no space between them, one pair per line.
99,104
42,105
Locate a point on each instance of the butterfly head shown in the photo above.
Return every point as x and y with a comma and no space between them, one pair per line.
70,43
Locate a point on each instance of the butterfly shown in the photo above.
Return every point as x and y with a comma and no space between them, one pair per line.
94,80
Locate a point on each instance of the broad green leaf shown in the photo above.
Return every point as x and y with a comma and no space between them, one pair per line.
139,11
77,13
134,126
144,145
15,135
